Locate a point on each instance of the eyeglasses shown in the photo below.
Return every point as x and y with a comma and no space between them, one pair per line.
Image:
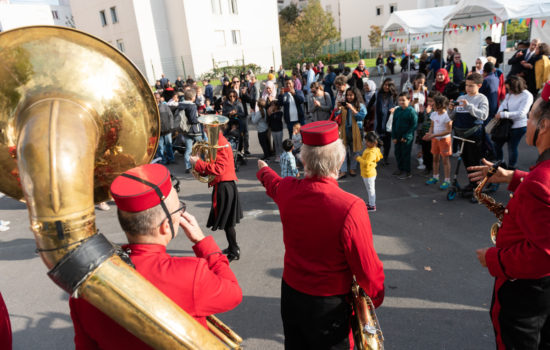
236,81
181,208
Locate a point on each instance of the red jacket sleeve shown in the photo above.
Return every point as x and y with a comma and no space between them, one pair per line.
216,287
360,254
5,326
218,167
270,180
82,340
517,178
530,257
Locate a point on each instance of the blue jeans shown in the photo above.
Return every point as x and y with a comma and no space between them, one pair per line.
189,140
165,148
350,155
513,143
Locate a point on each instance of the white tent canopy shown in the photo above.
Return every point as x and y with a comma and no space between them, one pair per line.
473,12
418,21
470,12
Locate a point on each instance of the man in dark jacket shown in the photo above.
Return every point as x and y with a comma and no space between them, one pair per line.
515,61
493,50
194,134
164,149
291,100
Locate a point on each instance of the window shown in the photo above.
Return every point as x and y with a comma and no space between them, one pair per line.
55,15
236,36
114,17
233,7
378,10
120,45
103,18
393,8
219,38
216,7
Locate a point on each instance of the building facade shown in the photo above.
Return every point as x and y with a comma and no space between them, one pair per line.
185,37
14,13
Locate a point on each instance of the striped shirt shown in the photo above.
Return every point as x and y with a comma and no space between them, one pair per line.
288,165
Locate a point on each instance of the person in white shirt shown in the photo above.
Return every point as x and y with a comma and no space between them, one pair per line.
516,108
440,135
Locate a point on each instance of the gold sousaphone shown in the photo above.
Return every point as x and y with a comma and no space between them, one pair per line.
207,151
74,114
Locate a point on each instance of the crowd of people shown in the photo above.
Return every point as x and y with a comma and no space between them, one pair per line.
339,124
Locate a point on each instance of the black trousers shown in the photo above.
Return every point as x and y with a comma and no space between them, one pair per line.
386,139
313,322
264,142
471,154
524,316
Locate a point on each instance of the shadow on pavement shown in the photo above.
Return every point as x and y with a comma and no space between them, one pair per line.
18,249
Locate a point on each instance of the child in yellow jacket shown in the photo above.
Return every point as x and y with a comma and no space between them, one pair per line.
368,160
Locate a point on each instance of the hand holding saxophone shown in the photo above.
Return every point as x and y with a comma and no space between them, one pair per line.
478,173
193,160
191,227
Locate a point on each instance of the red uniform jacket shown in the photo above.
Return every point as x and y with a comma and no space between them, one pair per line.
327,237
5,326
522,250
223,167
201,286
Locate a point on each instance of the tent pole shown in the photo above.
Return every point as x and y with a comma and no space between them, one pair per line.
410,57
384,67
503,68
443,52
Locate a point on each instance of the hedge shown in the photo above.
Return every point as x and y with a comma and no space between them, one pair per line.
231,71
334,58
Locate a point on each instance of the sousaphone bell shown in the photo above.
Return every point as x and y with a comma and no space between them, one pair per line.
74,114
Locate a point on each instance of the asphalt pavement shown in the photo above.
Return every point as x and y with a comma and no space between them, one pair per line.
437,294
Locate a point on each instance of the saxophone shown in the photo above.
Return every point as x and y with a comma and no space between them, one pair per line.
493,206
366,328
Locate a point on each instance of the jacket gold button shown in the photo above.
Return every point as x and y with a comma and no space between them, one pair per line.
521,179
505,211
511,195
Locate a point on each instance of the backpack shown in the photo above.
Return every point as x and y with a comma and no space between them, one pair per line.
184,124
166,118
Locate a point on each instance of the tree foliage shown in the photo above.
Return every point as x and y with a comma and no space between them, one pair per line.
517,31
289,14
312,29
375,35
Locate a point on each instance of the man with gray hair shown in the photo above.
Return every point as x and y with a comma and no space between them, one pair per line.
328,241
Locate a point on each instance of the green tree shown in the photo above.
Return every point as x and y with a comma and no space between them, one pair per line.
517,31
375,35
311,30
289,14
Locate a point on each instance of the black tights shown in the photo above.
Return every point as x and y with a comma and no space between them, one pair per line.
231,236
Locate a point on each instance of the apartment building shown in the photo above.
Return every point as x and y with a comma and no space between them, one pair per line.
16,13
185,37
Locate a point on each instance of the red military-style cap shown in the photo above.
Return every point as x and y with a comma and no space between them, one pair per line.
141,188
545,94
319,133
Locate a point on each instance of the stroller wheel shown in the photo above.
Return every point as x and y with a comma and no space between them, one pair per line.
451,195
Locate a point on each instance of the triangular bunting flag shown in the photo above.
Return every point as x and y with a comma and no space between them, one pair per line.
542,23
527,21
536,22
520,20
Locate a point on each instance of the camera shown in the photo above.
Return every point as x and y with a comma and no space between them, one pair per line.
505,110
455,103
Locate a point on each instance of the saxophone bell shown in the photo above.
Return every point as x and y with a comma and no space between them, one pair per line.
493,206
366,328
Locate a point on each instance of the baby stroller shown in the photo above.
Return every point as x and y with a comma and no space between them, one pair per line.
234,139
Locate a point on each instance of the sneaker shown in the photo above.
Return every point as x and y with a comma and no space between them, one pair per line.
431,181
277,160
421,167
4,228
444,185
341,175
456,154
352,172
397,172
5,223
103,206
405,176
371,207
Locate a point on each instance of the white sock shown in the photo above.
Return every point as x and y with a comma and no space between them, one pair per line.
436,176
447,179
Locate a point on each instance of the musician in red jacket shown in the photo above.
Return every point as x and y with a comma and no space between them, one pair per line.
328,240
5,326
226,211
150,214
520,261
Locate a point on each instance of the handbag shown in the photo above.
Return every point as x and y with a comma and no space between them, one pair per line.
389,124
490,126
501,132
